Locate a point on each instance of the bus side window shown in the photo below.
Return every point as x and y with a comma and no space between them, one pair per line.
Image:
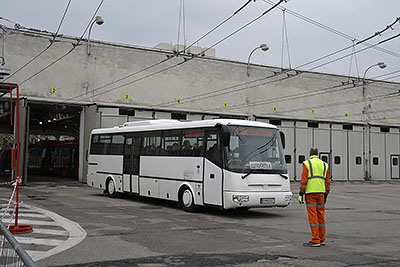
104,144
137,142
117,144
151,143
193,142
171,143
127,155
213,150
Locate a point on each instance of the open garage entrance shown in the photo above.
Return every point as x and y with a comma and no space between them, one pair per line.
51,134
53,141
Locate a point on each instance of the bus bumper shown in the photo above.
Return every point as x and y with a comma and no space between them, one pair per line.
233,200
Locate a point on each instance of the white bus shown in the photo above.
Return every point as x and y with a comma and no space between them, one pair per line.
224,163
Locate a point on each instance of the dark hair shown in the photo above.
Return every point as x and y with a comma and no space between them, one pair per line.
314,151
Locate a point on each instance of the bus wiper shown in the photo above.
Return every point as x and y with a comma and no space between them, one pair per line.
283,175
247,174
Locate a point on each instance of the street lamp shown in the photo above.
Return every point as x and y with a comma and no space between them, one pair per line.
381,65
367,156
263,47
99,21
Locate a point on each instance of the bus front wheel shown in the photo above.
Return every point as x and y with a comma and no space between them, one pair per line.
111,188
186,199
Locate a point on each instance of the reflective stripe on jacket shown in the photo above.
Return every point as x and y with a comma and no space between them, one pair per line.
317,170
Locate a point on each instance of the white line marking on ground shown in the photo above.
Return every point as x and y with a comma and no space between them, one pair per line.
72,229
39,241
76,234
30,215
35,222
50,232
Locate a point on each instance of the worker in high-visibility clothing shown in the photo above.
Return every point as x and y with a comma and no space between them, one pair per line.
315,186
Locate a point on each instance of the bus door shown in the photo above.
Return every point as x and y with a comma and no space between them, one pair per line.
130,180
212,169
394,166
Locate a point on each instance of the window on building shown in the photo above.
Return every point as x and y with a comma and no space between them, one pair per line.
347,127
358,160
337,160
324,158
302,158
375,160
178,116
288,159
395,161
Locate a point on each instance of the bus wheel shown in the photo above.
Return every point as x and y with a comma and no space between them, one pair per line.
186,199
111,188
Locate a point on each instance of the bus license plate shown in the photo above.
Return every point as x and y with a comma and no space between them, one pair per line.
267,200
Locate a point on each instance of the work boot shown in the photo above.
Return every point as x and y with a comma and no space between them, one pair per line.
311,244
322,243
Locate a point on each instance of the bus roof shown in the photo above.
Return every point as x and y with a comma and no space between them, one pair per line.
165,124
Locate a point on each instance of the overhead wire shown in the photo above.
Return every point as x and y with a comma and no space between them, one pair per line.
8,20
226,90
330,29
188,59
69,52
328,90
346,102
44,50
165,60
324,64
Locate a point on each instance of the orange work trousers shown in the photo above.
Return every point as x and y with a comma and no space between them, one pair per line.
316,209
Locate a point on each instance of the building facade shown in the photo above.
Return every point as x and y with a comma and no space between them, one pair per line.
354,122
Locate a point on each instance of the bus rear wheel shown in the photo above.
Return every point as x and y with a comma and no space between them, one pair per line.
186,200
111,188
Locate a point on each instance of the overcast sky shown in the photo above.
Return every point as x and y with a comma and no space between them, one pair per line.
147,23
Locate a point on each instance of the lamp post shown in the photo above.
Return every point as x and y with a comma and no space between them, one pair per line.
367,139
381,65
263,47
99,21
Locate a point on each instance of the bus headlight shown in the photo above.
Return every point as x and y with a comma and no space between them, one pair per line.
240,198
288,198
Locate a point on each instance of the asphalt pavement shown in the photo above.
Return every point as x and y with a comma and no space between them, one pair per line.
362,220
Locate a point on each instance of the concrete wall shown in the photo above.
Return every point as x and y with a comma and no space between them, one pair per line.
90,79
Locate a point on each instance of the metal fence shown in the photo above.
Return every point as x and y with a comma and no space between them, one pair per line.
11,253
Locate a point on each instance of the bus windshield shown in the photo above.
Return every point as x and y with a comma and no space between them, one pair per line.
255,150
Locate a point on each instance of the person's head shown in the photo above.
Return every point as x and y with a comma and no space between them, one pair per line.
314,151
186,144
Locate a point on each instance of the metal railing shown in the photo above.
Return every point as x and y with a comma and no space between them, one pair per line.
11,253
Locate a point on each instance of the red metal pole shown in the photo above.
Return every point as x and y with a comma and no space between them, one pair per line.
11,104
18,229
17,196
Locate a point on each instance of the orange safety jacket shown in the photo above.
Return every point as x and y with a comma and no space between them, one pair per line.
306,175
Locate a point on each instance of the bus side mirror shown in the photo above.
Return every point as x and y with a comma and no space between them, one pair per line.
283,139
87,154
226,135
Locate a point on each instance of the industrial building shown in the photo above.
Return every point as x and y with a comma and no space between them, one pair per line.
74,86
